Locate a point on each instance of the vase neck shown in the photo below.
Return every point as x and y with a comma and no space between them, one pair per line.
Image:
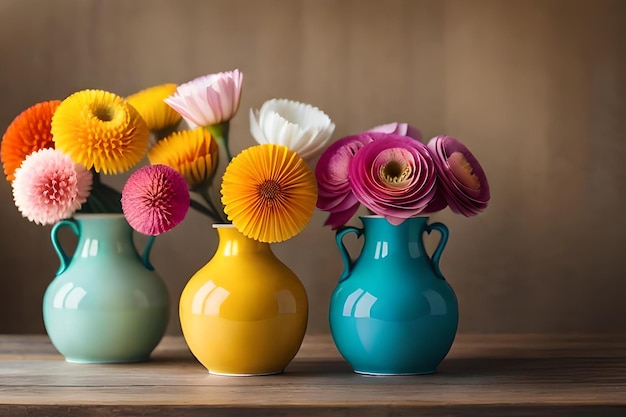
233,243
109,231
382,238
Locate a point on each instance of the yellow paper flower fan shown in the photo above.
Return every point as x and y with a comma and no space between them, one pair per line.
150,105
193,153
269,193
100,130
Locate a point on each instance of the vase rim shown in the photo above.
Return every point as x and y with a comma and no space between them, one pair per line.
98,215
378,216
223,226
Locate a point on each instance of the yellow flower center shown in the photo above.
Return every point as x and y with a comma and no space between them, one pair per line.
269,190
463,171
104,113
395,171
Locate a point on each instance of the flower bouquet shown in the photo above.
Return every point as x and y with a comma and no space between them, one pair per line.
393,174
393,312
55,152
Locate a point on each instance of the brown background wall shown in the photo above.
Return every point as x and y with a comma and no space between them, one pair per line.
537,89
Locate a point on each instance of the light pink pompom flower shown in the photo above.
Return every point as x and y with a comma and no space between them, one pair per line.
334,193
461,178
402,129
49,186
209,99
155,199
394,177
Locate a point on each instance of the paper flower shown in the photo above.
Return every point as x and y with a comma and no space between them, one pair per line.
150,105
100,130
332,172
402,129
208,100
394,177
461,178
155,199
269,193
303,128
49,186
27,133
193,153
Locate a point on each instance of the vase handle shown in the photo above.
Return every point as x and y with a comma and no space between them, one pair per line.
63,256
347,261
441,228
145,255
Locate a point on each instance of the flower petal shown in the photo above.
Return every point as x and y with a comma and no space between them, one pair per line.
301,127
208,100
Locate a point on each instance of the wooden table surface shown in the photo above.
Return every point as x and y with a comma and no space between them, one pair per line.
494,375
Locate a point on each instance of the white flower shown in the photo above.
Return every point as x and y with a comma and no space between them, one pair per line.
303,128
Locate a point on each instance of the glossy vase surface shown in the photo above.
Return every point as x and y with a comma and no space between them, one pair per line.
393,313
106,303
244,312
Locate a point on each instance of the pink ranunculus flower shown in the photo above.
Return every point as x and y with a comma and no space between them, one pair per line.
402,129
155,199
49,186
208,100
461,178
334,193
394,177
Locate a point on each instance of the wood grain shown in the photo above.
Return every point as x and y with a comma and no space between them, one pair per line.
486,375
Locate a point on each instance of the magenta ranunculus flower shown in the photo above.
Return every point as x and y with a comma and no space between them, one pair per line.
461,178
334,193
208,100
394,177
155,199
49,186
402,129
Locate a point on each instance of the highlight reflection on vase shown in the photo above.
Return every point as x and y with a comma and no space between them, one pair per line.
244,312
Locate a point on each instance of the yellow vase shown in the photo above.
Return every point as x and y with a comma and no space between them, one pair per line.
244,312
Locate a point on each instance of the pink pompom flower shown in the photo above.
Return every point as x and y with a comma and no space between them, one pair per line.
334,193
49,186
402,129
209,99
394,177
155,199
461,178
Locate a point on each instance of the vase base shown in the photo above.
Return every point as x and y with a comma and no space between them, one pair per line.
367,373
261,374
105,361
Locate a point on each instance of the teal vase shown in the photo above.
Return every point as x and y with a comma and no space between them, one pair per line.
106,303
393,312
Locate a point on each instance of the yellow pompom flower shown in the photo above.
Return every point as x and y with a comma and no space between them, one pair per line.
100,130
193,153
149,103
269,193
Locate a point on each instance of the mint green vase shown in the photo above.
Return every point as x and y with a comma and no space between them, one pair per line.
106,303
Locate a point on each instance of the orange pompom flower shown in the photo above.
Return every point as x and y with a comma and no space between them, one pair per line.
29,132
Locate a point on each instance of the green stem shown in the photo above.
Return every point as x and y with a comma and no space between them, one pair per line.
202,209
204,192
220,133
